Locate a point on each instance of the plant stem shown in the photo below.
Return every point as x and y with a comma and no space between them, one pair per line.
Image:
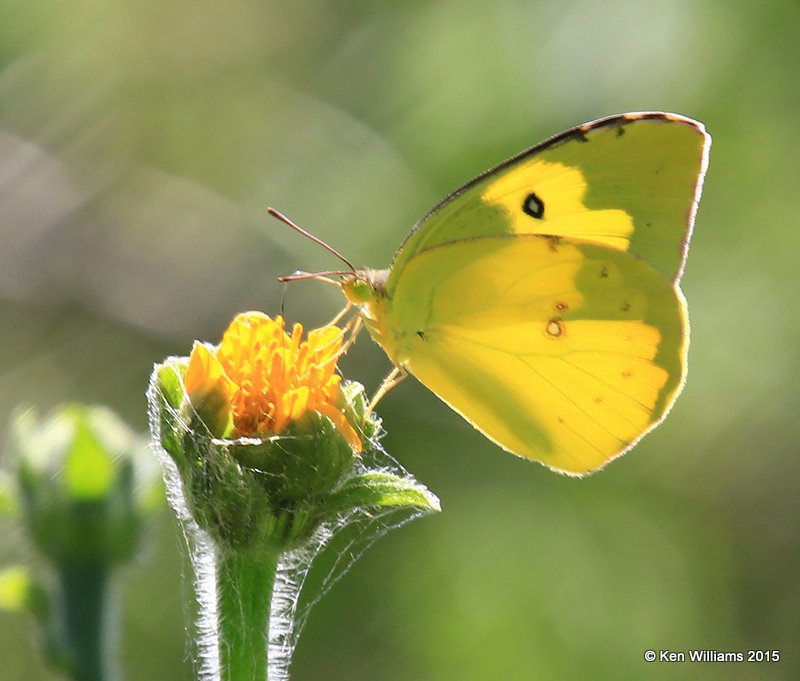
244,592
84,629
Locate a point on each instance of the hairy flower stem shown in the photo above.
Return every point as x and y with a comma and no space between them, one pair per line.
244,585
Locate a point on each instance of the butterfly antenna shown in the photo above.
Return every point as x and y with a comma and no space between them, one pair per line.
280,216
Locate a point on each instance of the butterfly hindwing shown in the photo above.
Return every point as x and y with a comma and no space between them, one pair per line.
565,353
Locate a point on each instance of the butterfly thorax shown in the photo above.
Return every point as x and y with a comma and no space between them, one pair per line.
367,289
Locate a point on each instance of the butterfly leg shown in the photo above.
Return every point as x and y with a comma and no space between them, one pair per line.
348,306
395,376
353,328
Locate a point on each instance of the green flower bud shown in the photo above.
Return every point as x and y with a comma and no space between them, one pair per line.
77,472
21,592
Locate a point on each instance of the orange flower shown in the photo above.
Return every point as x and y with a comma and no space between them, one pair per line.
263,378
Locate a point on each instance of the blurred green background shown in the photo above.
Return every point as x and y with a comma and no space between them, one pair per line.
139,145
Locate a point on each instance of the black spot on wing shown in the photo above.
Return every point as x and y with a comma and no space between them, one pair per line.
533,206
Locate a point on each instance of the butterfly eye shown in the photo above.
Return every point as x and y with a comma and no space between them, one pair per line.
357,291
533,206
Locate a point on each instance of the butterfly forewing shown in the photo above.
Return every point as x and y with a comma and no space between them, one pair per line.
630,182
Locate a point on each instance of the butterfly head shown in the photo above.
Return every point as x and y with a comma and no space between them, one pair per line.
364,286
366,289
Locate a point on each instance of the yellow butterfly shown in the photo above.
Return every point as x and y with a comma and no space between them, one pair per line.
541,300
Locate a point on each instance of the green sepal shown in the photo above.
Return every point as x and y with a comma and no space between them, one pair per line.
270,493
354,403
170,395
378,489
304,462
89,472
